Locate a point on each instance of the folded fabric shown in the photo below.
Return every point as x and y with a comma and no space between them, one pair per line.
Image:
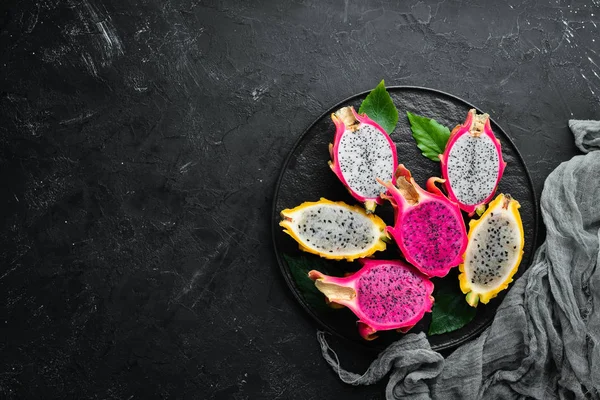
586,134
544,340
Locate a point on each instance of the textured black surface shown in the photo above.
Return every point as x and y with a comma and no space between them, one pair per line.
306,177
140,144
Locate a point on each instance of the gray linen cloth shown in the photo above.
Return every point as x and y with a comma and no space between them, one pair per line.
544,342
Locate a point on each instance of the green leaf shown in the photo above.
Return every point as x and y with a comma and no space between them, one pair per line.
431,136
450,310
299,267
378,106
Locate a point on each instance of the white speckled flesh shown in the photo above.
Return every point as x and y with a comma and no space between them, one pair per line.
363,156
493,251
473,168
335,230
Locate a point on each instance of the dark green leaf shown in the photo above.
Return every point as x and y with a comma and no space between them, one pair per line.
431,136
299,267
450,310
378,106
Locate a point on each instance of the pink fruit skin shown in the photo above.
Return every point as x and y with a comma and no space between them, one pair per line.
377,278
340,129
413,241
454,136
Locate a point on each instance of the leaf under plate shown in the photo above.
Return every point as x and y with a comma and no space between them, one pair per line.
450,309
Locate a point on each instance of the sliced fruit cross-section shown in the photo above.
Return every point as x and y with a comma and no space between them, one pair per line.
334,230
494,251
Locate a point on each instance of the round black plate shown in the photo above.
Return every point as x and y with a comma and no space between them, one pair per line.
306,177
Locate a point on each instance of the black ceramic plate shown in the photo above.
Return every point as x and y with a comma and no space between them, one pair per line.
306,177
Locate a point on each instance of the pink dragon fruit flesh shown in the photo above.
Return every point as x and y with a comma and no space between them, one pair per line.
383,294
360,153
429,228
472,163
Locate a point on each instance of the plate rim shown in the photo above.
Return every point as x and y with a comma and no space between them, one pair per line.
451,345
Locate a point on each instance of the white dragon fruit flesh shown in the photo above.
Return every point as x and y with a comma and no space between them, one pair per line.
334,230
472,163
361,153
494,252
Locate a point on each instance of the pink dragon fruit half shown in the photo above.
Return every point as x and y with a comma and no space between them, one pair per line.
360,153
429,228
383,294
472,163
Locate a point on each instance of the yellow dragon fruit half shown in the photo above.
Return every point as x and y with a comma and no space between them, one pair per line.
334,230
494,251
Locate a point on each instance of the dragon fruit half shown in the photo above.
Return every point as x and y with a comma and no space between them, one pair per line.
472,163
334,230
383,294
494,252
361,152
429,228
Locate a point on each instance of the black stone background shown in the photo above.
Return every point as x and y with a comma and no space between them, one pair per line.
140,142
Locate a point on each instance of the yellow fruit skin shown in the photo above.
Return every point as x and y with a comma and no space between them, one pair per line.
286,223
474,297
